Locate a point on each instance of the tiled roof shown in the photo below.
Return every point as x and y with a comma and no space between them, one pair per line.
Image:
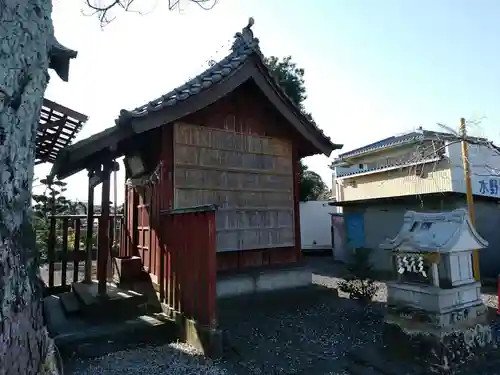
407,138
244,46
389,166
413,137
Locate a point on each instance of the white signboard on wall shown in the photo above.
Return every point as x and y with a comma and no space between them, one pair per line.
484,167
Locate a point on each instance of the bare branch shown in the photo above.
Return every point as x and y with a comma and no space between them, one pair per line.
103,8
203,4
428,155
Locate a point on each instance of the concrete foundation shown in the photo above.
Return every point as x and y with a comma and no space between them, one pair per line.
262,281
207,340
440,342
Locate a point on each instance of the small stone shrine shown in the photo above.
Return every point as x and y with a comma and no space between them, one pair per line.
434,309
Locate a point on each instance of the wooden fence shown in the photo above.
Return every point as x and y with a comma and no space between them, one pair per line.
187,279
71,242
187,258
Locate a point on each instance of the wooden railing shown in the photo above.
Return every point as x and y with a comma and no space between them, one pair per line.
69,247
187,279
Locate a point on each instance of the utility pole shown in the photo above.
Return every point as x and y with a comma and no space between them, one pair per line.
468,191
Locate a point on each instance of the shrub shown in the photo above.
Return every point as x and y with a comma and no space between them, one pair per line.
360,282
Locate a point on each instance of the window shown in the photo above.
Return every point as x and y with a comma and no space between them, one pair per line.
425,225
361,166
414,226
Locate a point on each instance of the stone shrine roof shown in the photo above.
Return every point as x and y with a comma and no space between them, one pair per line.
443,232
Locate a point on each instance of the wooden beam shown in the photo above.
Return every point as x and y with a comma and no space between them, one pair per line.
104,240
64,110
90,230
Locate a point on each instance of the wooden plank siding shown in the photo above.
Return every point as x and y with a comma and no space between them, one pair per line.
247,111
250,179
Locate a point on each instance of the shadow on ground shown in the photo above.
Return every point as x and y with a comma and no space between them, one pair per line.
306,331
311,331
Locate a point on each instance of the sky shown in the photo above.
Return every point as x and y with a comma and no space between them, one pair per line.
372,68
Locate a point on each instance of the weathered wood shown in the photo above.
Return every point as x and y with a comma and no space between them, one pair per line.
233,199
249,177
51,249
104,240
90,230
76,248
64,250
220,139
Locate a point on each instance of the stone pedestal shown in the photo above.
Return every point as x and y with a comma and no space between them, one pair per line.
441,341
127,270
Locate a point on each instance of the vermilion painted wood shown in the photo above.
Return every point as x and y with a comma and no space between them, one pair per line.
211,272
197,277
190,264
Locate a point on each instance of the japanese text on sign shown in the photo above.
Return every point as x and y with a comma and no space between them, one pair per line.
490,186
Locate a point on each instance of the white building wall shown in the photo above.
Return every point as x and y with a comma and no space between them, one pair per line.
315,225
485,170
485,177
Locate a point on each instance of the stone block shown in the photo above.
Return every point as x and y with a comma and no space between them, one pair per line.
440,343
127,270
281,279
431,298
207,340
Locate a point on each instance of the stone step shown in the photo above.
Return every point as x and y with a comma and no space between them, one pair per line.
70,303
96,341
54,316
118,304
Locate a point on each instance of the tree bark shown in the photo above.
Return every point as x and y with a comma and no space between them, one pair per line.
26,34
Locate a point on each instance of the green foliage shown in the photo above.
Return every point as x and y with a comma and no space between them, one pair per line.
360,282
53,202
291,79
312,187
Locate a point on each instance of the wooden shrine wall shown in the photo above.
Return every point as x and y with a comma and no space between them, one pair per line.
249,177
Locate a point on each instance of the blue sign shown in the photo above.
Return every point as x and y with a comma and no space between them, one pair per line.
490,186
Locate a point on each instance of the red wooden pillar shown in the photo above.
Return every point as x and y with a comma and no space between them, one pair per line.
104,239
124,229
296,201
211,270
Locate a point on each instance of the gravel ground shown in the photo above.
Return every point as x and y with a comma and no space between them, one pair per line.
292,334
174,359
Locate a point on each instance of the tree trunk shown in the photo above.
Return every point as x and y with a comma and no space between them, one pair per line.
26,33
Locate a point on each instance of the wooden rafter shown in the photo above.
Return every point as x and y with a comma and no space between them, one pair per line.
58,127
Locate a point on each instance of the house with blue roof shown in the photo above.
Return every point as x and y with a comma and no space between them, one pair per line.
421,170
